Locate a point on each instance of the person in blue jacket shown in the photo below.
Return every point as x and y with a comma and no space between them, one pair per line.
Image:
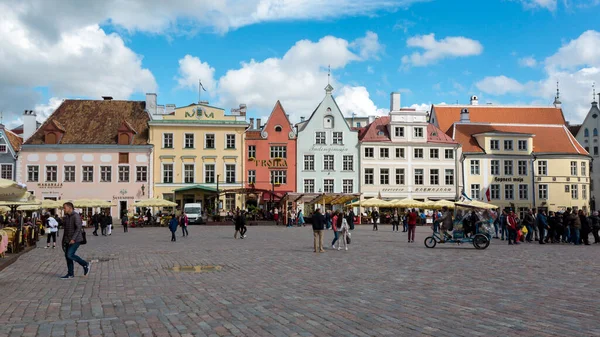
173,224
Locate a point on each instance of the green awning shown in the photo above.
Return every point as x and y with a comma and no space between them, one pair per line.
196,187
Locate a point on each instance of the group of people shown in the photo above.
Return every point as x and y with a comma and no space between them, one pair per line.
181,221
557,227
340,222
104,221
295,218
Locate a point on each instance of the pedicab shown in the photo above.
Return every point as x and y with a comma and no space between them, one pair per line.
472,223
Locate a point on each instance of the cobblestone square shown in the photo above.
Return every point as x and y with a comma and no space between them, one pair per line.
272,284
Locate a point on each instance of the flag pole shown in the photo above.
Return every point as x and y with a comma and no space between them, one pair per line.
199,91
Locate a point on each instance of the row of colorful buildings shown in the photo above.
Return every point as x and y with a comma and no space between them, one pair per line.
124,151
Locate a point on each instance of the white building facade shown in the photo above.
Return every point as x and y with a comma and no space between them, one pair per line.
588,136
327,151
404,156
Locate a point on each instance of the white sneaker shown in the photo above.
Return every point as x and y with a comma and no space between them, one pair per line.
245,236
339,248
346,248
332,246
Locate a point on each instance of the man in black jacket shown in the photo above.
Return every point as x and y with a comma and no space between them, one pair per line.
350,219
318,224
72,238
96,222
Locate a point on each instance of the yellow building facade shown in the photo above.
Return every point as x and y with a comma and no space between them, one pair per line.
198,154
520,167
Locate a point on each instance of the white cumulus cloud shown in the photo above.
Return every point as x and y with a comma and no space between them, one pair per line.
192,70
499,85
528,62
435,50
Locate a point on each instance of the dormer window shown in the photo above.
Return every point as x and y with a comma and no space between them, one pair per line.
328,122
50,138
125,134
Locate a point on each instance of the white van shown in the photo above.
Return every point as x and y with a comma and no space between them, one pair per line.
194,213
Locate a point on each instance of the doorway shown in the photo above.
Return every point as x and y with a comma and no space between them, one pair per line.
122,208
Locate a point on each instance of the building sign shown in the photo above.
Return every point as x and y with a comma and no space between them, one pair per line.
433,189
317,148
393,189
508,180
199,113
277,162
49,185
122,197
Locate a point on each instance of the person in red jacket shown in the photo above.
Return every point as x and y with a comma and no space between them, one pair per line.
412,224
512,227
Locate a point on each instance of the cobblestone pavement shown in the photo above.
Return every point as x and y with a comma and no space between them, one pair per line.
272,284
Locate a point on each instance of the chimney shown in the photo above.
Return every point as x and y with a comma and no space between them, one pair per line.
107,98
395,101
302,119
151,103
474,100
29,124
242,109
464,116
258,123
251,123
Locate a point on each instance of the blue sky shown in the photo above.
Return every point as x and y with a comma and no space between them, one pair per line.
256,52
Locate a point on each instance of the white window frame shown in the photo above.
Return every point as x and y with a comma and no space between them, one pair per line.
65,174
347,185
494,144
309,162
400,176
521,142
418,132
85,174
495,167
328,162
384,172
508,145
119,173
251,176
384,152
416,150
12,171
228,140
320,138
495,192
574,168
185,140
183,173
38,173
399,132
451,175
474,164
449,151
508,164
348,163
102,180
475,191
523,188
164,140
214,140
338,138
278,151
309,183
327,188
519,167
371,175
162,173
574,191
507,189
369,149
46,174
542,168
543,191
205,173
422,175
3,148
278,176
400,152
434,153
252,151
142,172
227,180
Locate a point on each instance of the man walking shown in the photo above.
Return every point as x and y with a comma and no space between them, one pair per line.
72,238
511,225
350,219
542,225
318,224
412,225
184,224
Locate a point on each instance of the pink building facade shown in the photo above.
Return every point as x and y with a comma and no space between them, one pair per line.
91,149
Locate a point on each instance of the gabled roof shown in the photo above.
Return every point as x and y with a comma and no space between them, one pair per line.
446,115
95,122
574,129
379,131
302,125
547,138
14,140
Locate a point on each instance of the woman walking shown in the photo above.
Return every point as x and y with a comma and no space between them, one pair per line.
412,224
300,218
395,221
173,227
336,223
344,231
184,224
52,229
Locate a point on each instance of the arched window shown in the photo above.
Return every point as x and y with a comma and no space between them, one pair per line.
50,138
328,122
278,128
595,132
586,133
123,139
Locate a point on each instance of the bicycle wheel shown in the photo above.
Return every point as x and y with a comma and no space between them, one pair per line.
481,241
430,242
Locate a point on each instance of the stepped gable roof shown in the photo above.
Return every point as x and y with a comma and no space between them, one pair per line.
96,122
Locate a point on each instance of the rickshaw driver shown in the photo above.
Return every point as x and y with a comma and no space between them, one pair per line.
446,223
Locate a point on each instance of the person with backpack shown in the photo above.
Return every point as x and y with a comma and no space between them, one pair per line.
344,234
51,230
173,227
125,222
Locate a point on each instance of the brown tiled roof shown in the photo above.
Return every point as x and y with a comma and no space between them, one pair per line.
447,115
371,132
574,129
15,140
547,139
253,135
96,122
435,135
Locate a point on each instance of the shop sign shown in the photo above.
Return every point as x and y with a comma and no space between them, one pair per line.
508,179
122,197
328,149
393,189
433,189
49,185
277,162
199,113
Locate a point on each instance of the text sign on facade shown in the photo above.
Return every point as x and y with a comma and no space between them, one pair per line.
316,148
278,162
508,179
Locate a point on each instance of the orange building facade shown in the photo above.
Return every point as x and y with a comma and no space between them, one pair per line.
270,158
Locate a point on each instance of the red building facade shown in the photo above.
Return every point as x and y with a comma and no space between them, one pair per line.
270,158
